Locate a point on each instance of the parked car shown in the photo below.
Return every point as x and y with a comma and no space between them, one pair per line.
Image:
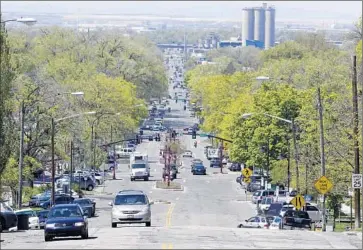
8,218
314,213
260,194
66,220
255,222
33,217
85,182
60,199
296,219
173,171
215,162
199,169
274,209
38,199
235,167
275,223
285,208
265,203
253,186
43,216
86,205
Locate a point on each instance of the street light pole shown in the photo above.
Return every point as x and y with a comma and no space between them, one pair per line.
53,162
53,123
295,155
21,154
322,151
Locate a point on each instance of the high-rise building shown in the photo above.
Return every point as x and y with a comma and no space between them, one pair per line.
258,26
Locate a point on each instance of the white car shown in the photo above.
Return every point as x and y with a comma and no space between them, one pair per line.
276,223
188,154
255,222
266,202
33,217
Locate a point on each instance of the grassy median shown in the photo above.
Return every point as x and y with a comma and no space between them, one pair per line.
173,185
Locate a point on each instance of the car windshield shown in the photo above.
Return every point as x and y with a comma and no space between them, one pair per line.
82,202
59,212
28,212
4,207
43,213
199,166
258,193
138,165
130,200
266,201
300,214
286,208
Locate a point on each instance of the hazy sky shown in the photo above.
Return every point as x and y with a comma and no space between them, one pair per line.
304,10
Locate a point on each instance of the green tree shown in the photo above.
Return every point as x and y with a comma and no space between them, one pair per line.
7,76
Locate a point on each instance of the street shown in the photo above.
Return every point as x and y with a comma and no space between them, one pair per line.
204,215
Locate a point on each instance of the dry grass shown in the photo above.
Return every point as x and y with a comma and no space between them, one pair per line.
173,185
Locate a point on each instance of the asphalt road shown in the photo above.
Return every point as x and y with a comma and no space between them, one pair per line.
204,215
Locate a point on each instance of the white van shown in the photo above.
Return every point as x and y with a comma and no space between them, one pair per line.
124,152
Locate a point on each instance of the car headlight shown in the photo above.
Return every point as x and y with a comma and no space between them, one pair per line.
79,224
145,210
50,225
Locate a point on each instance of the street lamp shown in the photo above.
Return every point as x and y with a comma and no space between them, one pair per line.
247,115
93,134
21,147
54,122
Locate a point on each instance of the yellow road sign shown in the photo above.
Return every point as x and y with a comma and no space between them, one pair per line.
247,172
323,185
246,179
298,202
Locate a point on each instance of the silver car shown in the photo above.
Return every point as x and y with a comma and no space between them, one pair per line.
131,206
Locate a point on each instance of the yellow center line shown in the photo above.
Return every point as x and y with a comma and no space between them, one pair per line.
168,215
167,246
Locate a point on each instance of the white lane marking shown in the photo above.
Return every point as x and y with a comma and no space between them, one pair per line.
184,180
150,192
177,198
155,170
207,181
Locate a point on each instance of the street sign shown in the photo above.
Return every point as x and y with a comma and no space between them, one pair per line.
247,172
323,185
357,181
246,179
203,135
298,202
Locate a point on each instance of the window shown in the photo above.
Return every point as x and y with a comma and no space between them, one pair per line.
57,212
253,219
258,193
311,208
263,220
130,200
82,202
138,165
4,207
31,213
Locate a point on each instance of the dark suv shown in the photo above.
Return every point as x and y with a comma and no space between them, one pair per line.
299,219
8,218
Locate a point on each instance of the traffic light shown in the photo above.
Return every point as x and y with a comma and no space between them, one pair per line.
194,134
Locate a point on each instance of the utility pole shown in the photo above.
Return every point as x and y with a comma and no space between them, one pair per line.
21,154
169,156
322,152
220,151
94,153
53,161
268,160
114,158
296,155
71,174
355,140
288,165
